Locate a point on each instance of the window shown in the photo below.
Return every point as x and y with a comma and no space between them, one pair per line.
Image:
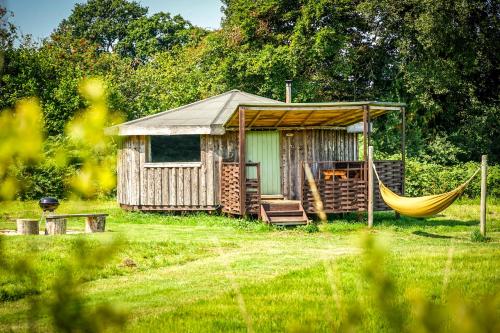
175,148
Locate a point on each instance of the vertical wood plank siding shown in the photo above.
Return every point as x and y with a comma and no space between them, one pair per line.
314,146
144,186
198,187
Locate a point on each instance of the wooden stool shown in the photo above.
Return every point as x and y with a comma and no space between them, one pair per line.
95,223
27,227
55,226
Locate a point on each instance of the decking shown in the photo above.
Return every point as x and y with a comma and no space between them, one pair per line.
342,185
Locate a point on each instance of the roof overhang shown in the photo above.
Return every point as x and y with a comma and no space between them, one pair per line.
307,115
124,130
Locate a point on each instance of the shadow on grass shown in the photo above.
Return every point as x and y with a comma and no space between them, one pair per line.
389,219
427,234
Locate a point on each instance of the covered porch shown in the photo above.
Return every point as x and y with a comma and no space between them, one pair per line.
323,136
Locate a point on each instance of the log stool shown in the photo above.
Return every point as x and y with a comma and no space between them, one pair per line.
95,223
27,227
55,225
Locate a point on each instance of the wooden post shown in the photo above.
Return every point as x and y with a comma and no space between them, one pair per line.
368,122
370,186
242,164
403,153
484,176
365,140
95,223
27,227
55,226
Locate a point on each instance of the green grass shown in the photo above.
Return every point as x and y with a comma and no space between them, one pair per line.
211,273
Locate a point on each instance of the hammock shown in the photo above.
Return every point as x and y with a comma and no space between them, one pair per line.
420,206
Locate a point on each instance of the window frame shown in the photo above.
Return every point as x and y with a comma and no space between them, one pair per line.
149,163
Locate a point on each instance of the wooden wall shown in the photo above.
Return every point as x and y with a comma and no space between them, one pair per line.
314,146
130,152
168,186
184,186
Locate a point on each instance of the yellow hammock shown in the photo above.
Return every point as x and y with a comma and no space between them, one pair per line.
420,206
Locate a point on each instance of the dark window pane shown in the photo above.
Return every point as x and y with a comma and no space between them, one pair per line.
175,148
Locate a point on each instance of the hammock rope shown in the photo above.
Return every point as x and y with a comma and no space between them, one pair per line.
420,206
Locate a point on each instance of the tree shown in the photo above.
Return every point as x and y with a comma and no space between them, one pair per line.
123,27
445,56
160,32
104,22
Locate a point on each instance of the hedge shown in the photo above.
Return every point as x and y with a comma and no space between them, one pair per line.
428,178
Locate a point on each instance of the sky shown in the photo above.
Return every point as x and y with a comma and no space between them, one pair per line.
40,17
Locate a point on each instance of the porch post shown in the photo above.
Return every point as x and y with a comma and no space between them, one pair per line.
242,164
370,186
368,124
365,137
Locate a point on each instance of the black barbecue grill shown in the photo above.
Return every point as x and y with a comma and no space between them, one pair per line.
48,204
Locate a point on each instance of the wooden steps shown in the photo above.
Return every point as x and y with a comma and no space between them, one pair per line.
283,212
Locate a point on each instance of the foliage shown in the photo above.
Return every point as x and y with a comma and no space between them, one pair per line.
85,160
309,228
476,236
123,27
20,143
429,178
65,302
440,57
103,22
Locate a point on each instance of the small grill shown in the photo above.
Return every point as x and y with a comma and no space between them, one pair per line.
48,204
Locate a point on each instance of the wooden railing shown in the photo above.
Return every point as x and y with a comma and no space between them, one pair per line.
230,197
343,185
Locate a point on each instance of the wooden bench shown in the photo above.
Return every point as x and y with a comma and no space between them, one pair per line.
94,222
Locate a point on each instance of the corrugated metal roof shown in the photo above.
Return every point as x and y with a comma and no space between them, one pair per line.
202,117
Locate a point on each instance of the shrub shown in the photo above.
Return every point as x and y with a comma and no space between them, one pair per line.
476,237
429,178
309,228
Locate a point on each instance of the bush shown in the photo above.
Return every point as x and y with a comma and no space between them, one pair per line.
476,237
429,178
309,228
42,180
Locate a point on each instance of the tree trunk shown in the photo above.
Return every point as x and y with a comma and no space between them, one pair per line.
27,227
55,226
95,224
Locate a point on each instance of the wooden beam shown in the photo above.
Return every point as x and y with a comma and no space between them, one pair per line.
331,120
293,128
302,108
254,119
242,158
281,119
307,118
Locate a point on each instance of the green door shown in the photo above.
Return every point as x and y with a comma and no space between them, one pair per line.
264,147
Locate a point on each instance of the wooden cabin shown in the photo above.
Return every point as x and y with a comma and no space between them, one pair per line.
245,154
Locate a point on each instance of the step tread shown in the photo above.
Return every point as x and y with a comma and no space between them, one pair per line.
281,207
287,223
284,212
287,219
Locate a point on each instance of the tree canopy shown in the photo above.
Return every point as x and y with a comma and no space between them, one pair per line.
439,56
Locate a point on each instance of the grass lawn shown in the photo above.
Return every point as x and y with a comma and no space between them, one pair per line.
212,273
